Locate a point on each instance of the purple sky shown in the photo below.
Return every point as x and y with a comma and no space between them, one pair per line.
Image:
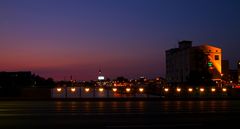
59,38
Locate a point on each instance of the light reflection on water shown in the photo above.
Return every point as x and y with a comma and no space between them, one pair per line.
78,107
110,114
142,106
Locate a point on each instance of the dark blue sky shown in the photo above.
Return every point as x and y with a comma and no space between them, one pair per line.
59,38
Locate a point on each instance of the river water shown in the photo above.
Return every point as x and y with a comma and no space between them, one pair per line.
124,114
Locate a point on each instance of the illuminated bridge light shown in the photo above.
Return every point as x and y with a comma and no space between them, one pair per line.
190,89
114,89
73,89
87,89
141,89
128,89
224,89
178,89
59,89
166,89
201,89
213,89
100,89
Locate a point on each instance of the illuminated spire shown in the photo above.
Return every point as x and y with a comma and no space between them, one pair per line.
100,76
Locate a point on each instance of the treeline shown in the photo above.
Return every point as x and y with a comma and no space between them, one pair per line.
12,83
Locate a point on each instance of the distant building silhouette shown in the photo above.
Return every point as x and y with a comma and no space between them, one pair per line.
233,76
225,71
189,62
238,69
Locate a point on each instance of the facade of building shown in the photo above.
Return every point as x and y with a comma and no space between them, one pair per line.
188,60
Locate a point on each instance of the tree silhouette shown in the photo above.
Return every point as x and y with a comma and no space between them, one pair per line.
121,79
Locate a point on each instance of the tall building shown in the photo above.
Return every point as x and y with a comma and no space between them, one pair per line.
187,60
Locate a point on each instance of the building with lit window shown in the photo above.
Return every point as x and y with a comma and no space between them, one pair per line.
187,60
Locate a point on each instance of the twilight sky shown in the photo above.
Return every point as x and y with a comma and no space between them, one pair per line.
59,38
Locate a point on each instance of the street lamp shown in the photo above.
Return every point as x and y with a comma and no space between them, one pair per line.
100,89
178,89
190,89
224,89
73,89
128,89
87,89
141,89
166,89
59,89
213,89
114,89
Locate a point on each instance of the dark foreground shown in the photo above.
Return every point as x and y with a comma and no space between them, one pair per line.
119,114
